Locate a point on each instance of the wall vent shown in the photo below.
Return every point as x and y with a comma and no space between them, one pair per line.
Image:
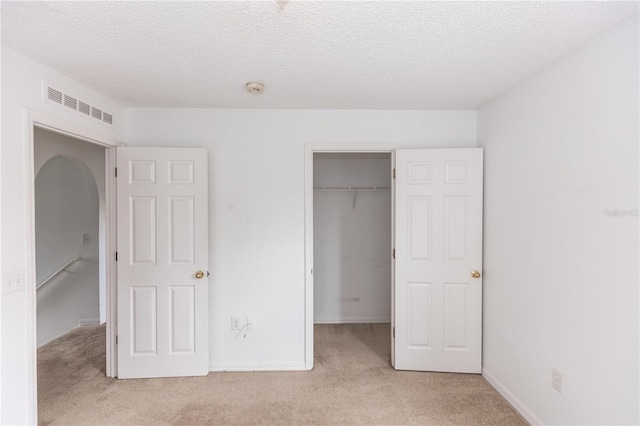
54,95
70,102
62,98
84,108
96,113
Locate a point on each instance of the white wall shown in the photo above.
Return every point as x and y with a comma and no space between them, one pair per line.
352,245
256,215
21,89
66,205
560,276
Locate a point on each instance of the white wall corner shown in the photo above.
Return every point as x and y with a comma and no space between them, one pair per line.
523,410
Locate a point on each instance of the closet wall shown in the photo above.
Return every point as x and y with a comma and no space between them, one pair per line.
352,238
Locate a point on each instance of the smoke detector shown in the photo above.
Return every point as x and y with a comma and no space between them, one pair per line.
255,87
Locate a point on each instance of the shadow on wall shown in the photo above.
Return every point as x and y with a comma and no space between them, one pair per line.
66,223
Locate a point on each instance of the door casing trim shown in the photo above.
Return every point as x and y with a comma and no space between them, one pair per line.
310,149
32,119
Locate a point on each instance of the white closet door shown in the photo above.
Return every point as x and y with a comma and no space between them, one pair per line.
438,288
162,263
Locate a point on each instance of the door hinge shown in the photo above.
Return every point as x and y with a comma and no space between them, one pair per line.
394,253
117,339
116,171
116,256
394,173
394,333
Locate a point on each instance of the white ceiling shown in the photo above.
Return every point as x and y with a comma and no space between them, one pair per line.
308,54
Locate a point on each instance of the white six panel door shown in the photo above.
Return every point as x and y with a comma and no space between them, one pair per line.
438,303
162,219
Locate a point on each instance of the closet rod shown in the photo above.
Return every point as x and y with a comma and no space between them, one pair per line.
351,188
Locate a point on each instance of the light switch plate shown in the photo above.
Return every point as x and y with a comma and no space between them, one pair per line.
12,281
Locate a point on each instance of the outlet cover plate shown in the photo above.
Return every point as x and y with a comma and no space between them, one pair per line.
235,323
556,379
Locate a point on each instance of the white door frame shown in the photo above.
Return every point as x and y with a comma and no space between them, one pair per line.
311,149
32,119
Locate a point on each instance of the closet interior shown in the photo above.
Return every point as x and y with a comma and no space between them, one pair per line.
352,238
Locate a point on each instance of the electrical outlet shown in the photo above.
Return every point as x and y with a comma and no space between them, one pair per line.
235,323
556,380
12,281
251,321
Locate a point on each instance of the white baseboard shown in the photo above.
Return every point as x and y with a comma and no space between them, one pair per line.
511,399
257,366
352,321
89,321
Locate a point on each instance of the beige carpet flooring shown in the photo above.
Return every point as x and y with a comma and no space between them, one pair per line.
352,383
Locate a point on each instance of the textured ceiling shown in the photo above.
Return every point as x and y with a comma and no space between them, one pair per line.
308,54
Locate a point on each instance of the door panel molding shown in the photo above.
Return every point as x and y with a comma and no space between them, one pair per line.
438,245
163,245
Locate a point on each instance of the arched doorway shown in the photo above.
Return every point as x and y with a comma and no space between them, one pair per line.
67,224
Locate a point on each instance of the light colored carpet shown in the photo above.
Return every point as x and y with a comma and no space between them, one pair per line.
352,383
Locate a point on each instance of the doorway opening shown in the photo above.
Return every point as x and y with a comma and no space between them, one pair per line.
89,155
349,235
352,258
68,279
70,234
352,236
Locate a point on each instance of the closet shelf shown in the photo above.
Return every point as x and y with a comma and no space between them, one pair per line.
351,188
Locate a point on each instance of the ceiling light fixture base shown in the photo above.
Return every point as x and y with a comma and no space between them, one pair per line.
255,87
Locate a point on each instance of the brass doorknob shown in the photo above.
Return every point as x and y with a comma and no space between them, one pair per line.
199,274
475,274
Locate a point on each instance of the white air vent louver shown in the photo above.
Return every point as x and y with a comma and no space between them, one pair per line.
96,113
70,102
54,95
84,108
62,98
